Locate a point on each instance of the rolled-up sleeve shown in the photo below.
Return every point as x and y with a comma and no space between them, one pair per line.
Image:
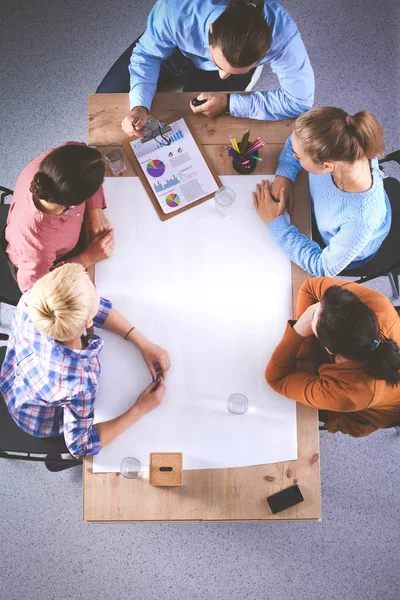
80,433
104,309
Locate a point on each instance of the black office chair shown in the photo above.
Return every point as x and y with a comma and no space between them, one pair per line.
16,444
9,290
387,259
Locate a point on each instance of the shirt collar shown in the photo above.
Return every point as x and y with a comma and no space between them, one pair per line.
213,16
95,345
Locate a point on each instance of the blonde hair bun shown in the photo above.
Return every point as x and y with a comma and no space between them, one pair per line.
62,302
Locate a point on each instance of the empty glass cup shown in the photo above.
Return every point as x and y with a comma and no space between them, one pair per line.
224,199
114,155
130,468
237,404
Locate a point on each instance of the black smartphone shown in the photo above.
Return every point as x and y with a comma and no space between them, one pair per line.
197,102
285,499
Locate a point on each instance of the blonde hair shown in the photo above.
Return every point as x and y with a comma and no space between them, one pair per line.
62,302
329,133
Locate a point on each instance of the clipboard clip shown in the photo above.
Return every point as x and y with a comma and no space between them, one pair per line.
154,129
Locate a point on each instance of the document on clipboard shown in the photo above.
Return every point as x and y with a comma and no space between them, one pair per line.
174,170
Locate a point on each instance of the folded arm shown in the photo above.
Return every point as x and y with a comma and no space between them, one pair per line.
312,390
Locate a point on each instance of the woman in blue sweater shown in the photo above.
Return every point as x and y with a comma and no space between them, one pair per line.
349,205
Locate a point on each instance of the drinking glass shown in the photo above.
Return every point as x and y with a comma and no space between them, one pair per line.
114,155
237,404
224,199
130,468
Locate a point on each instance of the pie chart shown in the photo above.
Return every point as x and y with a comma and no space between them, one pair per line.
173,200
155,168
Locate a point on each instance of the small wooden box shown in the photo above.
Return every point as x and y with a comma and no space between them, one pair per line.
166,468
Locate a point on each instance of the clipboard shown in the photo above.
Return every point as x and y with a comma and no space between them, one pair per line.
165,216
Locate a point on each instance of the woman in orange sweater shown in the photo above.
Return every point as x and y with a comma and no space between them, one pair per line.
341,356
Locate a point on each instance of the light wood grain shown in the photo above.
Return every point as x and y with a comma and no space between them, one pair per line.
106,112
216,494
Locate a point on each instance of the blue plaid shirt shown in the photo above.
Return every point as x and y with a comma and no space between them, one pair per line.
50,389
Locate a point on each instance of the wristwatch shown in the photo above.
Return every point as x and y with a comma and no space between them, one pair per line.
228,106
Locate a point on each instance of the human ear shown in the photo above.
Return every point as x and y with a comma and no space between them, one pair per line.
89,324
328,167
211,27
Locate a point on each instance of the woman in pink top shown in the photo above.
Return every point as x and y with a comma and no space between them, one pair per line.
55,195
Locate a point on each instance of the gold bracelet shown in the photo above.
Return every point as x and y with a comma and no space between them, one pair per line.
131,329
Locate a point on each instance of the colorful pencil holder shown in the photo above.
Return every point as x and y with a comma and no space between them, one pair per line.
245,169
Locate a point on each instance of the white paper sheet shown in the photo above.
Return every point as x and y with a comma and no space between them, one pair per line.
178,173
216,293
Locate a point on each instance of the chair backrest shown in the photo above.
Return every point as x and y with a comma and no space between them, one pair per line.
14,439
392,156
9,290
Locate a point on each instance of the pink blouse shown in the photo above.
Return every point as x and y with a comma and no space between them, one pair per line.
35,240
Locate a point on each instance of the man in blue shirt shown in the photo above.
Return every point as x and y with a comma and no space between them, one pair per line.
205,43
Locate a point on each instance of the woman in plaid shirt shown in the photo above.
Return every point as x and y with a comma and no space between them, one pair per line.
50,374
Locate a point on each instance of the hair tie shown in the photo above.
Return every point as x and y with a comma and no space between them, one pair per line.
375,344
348,120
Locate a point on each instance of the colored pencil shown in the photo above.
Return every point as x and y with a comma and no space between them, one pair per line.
240,159
245,141
243,153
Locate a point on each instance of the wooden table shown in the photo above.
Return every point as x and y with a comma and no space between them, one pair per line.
212,494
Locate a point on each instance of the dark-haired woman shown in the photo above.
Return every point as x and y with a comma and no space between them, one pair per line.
351,210
55,195
341,356
214,46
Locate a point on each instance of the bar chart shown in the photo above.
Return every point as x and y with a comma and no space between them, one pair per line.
175,137
159,187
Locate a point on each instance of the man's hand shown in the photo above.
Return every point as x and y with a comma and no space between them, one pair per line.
303,325
98,249
134,122
267,208
156,358
217,104
96,223
286,184
151,398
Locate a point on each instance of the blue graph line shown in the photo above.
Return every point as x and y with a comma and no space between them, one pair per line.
159,187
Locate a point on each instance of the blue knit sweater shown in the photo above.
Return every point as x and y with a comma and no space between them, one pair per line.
352,225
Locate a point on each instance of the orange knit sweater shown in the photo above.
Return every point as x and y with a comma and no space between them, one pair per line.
357,403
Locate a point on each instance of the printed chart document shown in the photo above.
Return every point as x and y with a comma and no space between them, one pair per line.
216,293
178,173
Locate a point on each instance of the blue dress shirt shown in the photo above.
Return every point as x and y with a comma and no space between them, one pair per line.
185,24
